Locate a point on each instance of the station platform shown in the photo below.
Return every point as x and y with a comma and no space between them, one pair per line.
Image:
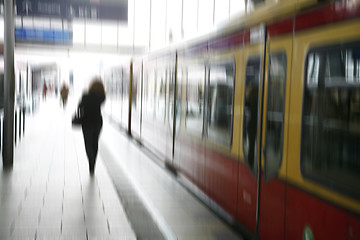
49,193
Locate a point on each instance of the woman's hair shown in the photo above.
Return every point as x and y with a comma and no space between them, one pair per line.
97,86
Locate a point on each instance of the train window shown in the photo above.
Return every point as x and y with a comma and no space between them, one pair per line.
195,99
330,141
275,113
108,89
134,91
220,103
149,93
117,99
125,95
250,121
160,95
179,84
253,4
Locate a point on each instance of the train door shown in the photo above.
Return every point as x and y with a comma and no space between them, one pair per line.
189,155
172,109
250,78
274,138
181,80
169,99
218,132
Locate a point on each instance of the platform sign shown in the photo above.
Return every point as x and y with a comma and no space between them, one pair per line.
43,36
69,9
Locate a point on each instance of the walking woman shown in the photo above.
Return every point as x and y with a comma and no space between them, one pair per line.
91,119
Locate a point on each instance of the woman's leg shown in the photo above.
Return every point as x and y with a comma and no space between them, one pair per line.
96,134
88,133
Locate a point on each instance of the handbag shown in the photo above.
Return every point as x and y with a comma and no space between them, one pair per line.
77,118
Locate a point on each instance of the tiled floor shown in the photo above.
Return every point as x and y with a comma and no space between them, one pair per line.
49,193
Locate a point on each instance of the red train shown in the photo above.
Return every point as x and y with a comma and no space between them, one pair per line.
261,118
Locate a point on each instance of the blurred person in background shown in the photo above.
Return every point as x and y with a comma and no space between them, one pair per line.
64,92
44,90
91,119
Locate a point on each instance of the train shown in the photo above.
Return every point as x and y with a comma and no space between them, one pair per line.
260,118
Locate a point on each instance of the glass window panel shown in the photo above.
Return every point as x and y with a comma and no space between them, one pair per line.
78,32
252,4
237,7
142,22
149,93
145,87
108,90
179,84
195,99
160,97
257,2
116,85
171,76
125,36
313,69
56,24
173,31
67,25
125,97
275,113
250,117
190,18
2,29
221,10
134,90
331,118
28,22
18,22
206,15
158,16
93,33
220,102
43,23
109,34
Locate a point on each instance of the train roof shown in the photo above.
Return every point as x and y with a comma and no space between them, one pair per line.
270,11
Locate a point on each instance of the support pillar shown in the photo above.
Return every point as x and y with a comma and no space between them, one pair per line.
9,84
